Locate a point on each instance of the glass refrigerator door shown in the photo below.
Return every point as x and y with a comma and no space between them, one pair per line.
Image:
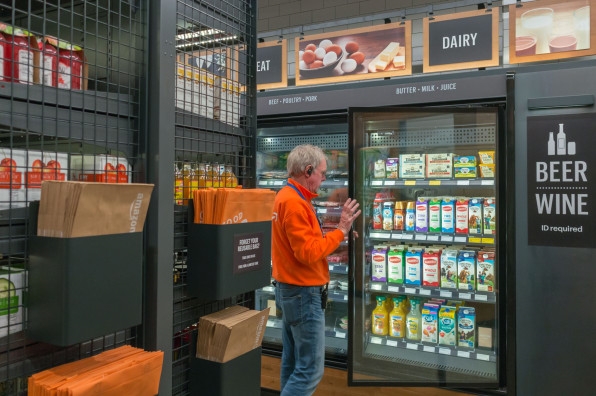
427,270
272,152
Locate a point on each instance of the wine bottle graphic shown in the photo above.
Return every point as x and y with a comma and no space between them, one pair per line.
551,143
561,141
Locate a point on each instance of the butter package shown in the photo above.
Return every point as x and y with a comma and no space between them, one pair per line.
464,160
487,157
487,170
391,168
439,165
465,172
412,166
379,169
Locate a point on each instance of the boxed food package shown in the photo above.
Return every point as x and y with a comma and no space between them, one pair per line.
487,157
392,168
487,170
206,94
466,268
475,218
44,166
489,213
19,55
12,284
439,165
63,65
486,271
12,178
229,333
412,166
102,168
464,161
463,172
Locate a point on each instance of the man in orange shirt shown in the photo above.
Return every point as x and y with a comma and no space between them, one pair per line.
299,257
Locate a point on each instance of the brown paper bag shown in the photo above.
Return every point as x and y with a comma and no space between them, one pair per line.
77,209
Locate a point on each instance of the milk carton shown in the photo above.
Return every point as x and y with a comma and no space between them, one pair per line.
379,264
395,265
485,268
461,215
430,314
413,267
422,214
466,268
449,268
489,214
434,215
466,327
448,215
430,268
475,219
447,325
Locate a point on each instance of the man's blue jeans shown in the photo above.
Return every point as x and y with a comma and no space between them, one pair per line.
303,338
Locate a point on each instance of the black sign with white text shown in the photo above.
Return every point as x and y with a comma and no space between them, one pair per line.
248,252
269,64
460,40
561,189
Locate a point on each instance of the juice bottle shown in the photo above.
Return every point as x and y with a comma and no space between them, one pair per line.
399,216
178,186
414,321
229,178
186,182
410,218
397,318
213,178
380,317
193,181
202,175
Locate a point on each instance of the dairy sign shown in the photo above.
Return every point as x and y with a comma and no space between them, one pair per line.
561,190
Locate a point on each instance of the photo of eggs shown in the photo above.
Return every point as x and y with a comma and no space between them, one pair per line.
373,52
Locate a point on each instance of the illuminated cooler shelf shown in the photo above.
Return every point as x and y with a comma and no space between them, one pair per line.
450,358
479,239
433,182
485,297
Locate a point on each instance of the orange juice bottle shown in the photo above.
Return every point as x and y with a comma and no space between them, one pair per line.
202,175
186,182
229,178
178,186
397,318
380,318
193,181
213,178
414,321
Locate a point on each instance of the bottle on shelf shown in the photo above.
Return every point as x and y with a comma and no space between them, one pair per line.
229,178
213,177
414,321
178,186
380,318
202,175
397,318
186,170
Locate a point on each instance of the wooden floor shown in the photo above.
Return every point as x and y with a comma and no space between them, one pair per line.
335,383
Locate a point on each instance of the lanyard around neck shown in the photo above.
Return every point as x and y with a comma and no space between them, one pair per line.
313,209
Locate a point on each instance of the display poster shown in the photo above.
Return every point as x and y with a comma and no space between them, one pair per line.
358,54
213,61
272,65
561,188
248,252
461,41
549,30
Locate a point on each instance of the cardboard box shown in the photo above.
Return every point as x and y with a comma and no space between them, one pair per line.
25,60
12,284
75,209
101,168
227,334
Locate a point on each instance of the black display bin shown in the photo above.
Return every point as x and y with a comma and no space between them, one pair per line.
237,377
82,288
228,260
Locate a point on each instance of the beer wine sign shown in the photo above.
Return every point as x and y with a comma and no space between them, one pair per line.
561,189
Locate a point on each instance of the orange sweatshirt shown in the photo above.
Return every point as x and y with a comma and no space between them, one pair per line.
298,248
